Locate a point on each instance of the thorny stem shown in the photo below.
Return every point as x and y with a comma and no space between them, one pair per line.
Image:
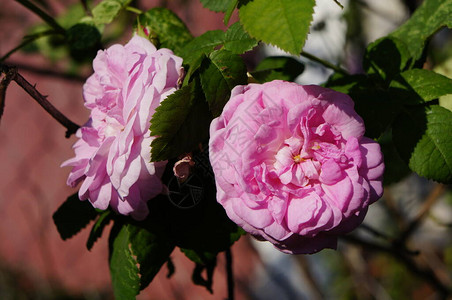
324,63
12,74
9,75
43,15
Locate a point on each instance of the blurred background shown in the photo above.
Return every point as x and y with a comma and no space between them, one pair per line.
402,251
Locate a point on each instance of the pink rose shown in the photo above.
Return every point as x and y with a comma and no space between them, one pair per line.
112,156
292,166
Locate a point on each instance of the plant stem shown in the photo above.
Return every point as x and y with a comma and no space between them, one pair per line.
134,10
33,92
324,63
27,40
338,3
427,205
230,275
9,75
43,15
48,72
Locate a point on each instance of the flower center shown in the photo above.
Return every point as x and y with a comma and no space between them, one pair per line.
297,159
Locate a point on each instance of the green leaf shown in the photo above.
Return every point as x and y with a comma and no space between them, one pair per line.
124,270
171,32
237,40
180,123
420,85
283,23
373,103
229,11
405,46
278,67
221,71
136,257
203,44
152,251
98,227
395,168
376,59
106,11
422,137
217,5
83,36
204,261
72,216
72,15
426,20
83,39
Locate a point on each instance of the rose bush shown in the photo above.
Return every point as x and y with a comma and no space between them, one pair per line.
112,155
292,165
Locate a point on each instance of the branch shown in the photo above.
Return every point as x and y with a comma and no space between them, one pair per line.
400,254
9,75
48,72
12,74
43,15
339,4
27,40
425,208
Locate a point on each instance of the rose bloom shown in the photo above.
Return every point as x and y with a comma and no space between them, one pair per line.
112,155
292,165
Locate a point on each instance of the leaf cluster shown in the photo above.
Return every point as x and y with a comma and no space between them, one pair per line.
398,100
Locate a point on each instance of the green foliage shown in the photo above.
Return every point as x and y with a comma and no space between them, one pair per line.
377,54
83,39
106,11
226,6
372,102
180,123
393,94
403,49
395,168
72,216
83,35
422,137
426,20
123,265
217,5
202,44
278,67
237,40
136,257
204,261
166,27
227,16
221,71
96,232
422,85
283,23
